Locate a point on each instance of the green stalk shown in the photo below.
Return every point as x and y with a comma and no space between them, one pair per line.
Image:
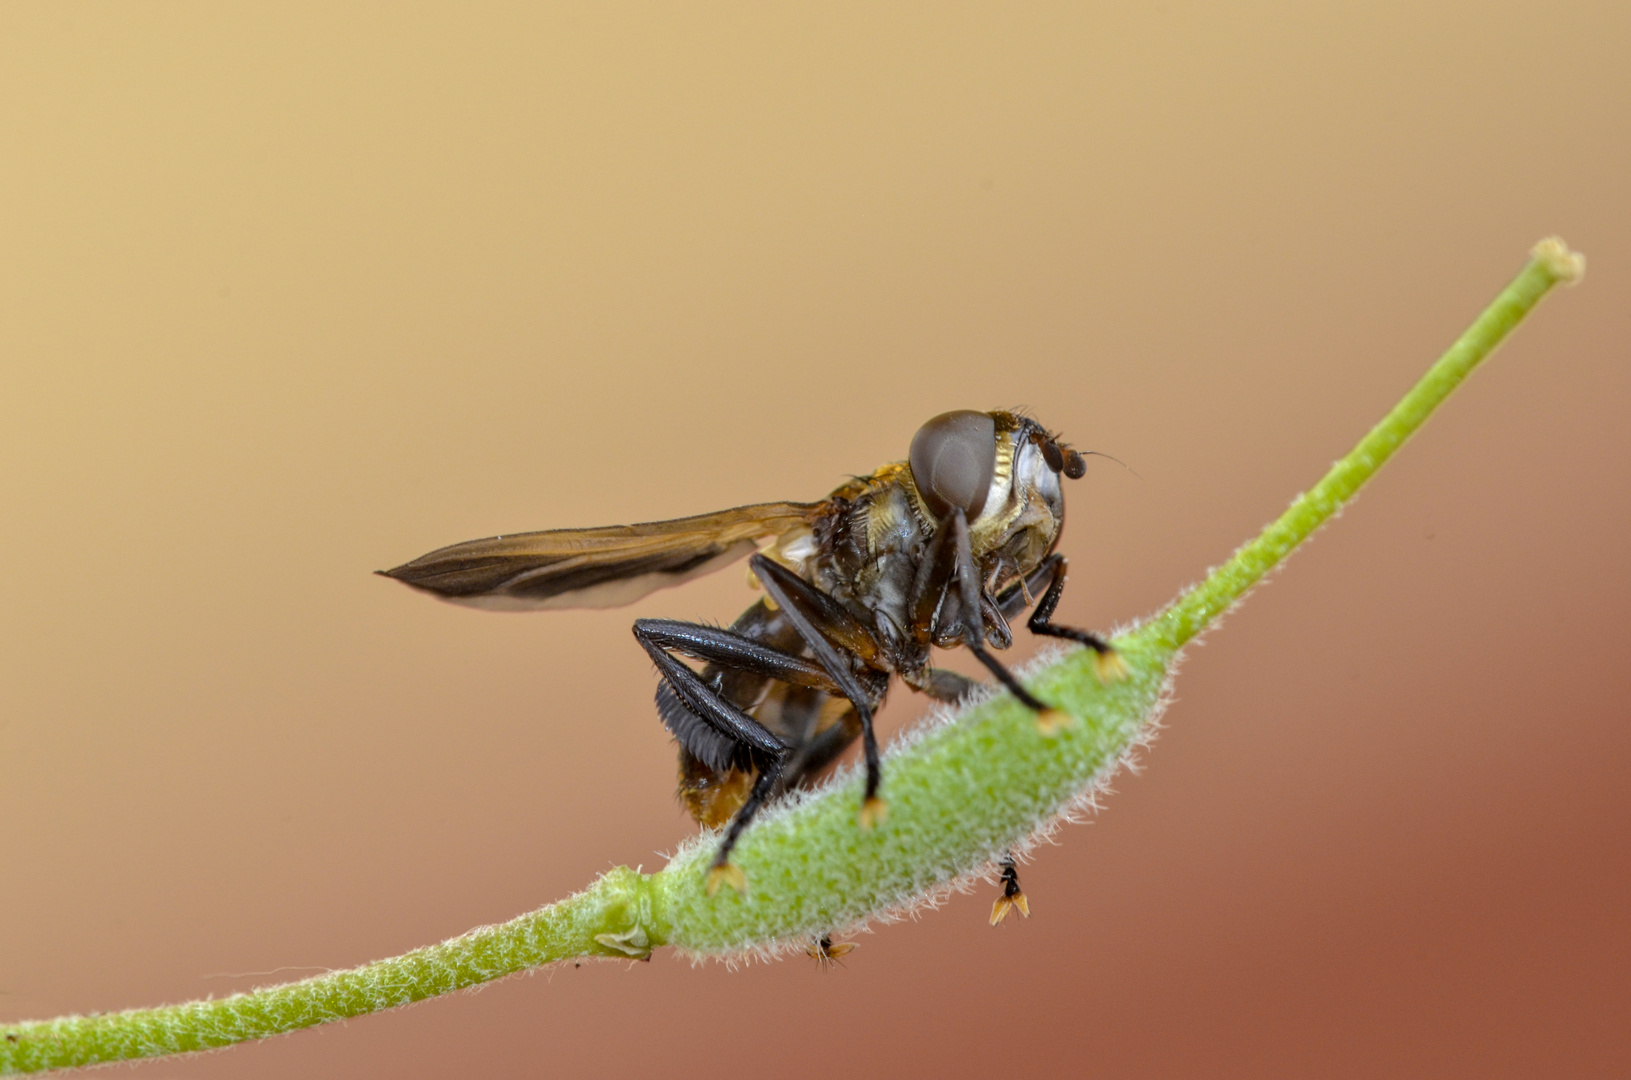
1551,262
961,792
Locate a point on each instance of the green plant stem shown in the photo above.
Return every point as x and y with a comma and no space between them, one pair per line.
961,793
581,925
1550,263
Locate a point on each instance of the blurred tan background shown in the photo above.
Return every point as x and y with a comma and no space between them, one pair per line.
291,294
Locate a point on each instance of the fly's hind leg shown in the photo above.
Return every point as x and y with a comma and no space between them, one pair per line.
715,730
731,651
1012,899
1107,662
723,871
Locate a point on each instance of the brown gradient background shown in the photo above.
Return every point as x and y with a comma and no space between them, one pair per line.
293,294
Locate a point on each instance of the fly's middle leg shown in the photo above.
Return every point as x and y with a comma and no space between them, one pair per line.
821,623
971,613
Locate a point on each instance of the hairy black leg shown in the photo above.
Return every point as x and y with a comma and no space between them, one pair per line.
1012,898
783,586
970,613
731,650
736,734
827,618
727,736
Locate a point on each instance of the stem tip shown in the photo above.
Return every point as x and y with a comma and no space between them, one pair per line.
1566,266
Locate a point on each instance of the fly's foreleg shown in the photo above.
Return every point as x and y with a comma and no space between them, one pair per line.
1108,663
970,612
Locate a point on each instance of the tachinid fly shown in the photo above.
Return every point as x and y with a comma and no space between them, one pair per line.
937,551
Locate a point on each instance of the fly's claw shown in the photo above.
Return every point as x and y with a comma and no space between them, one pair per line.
1012,898
1050,722
1108,665
873,812
726,874
825,953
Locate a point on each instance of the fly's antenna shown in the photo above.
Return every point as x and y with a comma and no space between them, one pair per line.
1112,457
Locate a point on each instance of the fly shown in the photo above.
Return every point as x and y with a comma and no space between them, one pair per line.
938,551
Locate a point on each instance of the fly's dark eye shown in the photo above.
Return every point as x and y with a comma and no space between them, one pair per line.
953,458
1052,455
1075,467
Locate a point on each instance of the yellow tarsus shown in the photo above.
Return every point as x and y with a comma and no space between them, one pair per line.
726,874
1050,722
873,812
1109,666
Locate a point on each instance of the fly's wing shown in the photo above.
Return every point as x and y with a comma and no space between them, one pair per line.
596,568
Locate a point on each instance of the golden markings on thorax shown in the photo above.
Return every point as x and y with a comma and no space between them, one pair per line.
884,518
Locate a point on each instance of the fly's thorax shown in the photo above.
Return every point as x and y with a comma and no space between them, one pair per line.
864,551
893,523
897,540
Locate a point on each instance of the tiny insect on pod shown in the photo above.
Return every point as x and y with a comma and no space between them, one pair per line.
938,551
826,953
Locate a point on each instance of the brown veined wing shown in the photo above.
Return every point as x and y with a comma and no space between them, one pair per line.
597,568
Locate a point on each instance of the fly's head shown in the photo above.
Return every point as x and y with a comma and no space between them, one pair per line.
1003,471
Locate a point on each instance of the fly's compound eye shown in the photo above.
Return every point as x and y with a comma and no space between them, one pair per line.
953,458
1075,467
1052,455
